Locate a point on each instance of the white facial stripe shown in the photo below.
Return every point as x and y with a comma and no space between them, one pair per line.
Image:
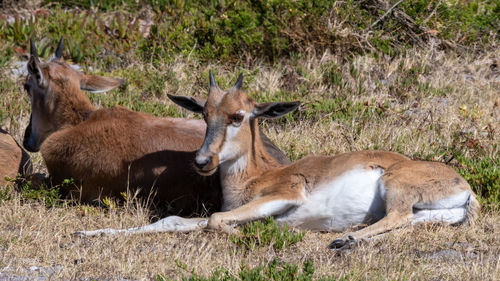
231,148
232,132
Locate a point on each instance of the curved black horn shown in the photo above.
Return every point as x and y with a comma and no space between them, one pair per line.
212,79
239,82
60,47
33,51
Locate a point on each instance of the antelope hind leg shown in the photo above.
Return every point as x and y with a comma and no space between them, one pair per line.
391,221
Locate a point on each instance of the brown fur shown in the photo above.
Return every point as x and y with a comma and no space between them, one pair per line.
109,150
115,148
13,159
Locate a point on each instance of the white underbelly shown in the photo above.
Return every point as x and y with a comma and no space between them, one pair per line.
354,198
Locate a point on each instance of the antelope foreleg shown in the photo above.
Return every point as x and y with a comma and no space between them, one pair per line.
254,210
168,224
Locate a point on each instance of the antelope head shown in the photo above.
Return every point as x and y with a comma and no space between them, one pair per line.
231,123
54,88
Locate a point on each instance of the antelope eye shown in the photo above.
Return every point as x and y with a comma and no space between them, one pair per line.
236,119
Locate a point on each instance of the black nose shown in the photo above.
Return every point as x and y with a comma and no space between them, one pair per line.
201,162
26,141
29,147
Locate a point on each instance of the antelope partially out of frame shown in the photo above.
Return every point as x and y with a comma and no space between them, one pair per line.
109,150
330,193
13,159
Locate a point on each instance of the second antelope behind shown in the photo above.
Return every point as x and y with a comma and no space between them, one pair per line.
334,193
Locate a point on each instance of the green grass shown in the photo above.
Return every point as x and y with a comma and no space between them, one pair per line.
483,174
14,102
471,20
266,233
227,30
49,196
30,192
275,270
5,193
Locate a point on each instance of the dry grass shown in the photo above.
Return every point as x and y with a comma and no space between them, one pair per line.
33,235
417,125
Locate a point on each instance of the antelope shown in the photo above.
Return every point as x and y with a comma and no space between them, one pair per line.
329,193
13,159
108,151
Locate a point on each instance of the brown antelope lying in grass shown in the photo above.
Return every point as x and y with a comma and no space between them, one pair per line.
318,192
109,150
13,159
330,193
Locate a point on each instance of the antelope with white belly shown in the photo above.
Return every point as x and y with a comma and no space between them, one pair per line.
384,189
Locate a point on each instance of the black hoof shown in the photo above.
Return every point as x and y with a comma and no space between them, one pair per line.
337,244
342,244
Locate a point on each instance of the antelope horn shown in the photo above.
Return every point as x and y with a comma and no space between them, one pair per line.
238,84
212,80
33,51
60,47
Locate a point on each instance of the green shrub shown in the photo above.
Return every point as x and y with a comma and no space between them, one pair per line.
483,174
275,270
41,192
19,30
471,20
49,196
4,193
228,30
265,233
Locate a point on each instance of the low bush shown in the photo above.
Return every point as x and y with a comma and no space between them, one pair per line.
266,233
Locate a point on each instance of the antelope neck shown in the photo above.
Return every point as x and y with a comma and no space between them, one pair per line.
76,109
236,174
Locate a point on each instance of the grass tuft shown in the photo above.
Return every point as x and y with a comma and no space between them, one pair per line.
484,177
50,197
273,271
266,233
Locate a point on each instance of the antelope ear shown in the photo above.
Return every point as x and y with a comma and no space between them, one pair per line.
188,103
35,70
273,109
99,84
